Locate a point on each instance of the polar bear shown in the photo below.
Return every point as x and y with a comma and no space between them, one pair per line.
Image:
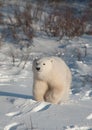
51,80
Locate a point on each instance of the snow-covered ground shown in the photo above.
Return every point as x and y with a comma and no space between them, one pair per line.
18,109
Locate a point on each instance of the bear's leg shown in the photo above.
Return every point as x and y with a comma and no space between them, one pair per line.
54,95
39,90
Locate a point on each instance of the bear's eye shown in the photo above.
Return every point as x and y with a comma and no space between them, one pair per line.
43,63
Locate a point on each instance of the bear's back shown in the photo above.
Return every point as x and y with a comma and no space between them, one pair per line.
60,70
59,64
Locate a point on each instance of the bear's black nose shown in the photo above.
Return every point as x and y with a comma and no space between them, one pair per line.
38,68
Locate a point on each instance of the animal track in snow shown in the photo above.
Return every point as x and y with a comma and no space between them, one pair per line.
11,126
13,113
41,106
30,105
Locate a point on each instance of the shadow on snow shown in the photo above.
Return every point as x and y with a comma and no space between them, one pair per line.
15,95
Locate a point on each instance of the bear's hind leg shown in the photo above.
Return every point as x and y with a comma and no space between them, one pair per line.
53,96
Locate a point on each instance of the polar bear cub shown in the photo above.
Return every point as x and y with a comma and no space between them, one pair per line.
51,80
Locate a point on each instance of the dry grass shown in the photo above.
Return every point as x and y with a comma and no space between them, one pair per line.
64,23
1,15
59,22
88,16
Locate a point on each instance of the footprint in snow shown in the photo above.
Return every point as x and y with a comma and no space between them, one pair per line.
11,114
40,107
12,126
31,105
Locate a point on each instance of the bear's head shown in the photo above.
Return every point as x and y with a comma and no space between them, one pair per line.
42,67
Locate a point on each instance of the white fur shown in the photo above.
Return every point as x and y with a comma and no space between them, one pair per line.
53,81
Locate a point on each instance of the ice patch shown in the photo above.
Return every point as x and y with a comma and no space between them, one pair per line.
89,117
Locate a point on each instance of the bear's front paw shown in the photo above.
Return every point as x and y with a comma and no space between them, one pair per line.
53,97
47,97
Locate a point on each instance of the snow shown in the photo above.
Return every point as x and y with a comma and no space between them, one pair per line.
13,125
13,113
89,117
18,109
84,69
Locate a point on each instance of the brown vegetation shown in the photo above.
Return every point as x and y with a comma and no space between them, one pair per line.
64,23
60,21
